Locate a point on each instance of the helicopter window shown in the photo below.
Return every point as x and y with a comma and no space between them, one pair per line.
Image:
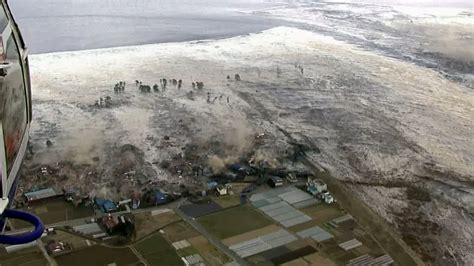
3,19
12,99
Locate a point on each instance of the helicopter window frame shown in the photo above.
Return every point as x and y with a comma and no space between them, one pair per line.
3,163
4,21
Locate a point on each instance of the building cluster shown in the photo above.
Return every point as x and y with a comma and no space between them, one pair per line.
117,224
150,198
137,200
42,194
319,189
219,189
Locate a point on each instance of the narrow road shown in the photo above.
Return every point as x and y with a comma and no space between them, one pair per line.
50,260
139,256
216,242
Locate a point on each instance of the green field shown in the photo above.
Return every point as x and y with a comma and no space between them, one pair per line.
233,221
26,257
157,251
187,251
98,255
55,210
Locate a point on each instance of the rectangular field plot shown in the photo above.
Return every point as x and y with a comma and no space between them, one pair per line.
233,221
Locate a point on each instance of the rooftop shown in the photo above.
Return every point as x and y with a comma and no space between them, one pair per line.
41,194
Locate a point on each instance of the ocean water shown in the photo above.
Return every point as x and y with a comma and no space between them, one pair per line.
70,25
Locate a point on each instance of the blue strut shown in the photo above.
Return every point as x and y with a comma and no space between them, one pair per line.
25,237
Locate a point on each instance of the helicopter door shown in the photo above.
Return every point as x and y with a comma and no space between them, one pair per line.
13,110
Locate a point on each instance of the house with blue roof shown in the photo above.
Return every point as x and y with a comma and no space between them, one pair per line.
105,205
160,198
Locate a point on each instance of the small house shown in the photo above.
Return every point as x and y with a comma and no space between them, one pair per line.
275,181
109,206
124,202
109,222
160,198
105,205
291,178
315,186
211,185
55,247
222,190
136,200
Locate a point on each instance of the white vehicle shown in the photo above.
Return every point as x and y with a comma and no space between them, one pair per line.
91,220
327,197
49,230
